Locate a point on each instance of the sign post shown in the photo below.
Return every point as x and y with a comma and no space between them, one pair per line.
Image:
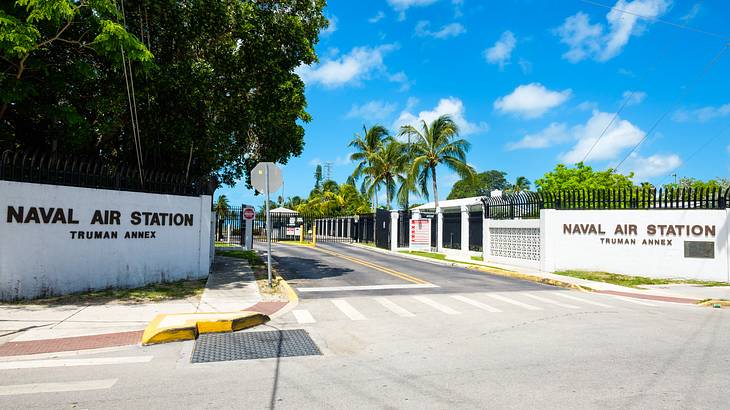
266,177
248,216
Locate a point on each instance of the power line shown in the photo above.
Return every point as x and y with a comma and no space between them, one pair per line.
665,113
667,22
698,150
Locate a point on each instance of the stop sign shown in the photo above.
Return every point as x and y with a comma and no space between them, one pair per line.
248,213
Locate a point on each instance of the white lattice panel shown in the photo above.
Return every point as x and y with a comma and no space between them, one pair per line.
516,243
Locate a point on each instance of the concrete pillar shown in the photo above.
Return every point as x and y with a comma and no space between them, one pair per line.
486,243
465,229
349,227
440,230
416,214
394,230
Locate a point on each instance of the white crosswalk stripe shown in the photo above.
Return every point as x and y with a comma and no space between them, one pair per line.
472,302
303,316
550,301
37,364
443,308
632,300
36,388
387,303
582,300
348,310
514,302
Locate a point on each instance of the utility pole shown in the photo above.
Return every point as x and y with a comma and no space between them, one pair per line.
328,171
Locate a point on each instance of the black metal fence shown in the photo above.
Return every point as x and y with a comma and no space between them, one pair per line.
452,230
292,226
56,169
528,204
404,229
476,223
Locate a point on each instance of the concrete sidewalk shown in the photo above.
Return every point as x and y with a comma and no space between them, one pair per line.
680,293
230,287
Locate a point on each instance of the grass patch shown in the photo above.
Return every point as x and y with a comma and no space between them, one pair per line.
260,272
155,292
220,244
632,281
432,255
477,258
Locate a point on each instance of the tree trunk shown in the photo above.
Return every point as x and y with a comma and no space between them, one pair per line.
435,190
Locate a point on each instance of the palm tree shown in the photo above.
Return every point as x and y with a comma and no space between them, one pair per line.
521,184
437,145
386,169
365,146
221,209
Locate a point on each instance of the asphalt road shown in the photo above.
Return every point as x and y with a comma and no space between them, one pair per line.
354,269
474,342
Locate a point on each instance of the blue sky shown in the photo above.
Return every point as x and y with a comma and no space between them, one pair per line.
530,83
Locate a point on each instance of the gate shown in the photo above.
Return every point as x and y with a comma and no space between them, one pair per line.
229,226
364,231
295,226
382,228
404,228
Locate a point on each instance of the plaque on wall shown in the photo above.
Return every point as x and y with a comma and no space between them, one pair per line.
699,249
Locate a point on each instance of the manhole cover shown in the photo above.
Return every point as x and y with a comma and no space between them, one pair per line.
219,347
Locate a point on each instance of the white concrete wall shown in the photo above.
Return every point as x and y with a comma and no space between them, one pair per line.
487,240
42,259
585,251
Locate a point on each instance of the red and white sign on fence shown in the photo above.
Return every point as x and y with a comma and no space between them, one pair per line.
420,235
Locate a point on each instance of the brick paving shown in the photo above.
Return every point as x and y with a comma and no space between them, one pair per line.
66,344
649,297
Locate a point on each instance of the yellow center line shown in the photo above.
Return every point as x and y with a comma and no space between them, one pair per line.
383,269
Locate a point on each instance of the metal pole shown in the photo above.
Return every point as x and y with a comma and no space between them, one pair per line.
268,225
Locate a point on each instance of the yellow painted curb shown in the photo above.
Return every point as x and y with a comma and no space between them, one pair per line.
296,243
175,327
531,278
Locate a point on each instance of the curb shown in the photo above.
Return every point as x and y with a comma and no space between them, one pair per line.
193,324
486,269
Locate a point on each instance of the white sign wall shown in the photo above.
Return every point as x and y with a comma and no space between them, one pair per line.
57,239
690,244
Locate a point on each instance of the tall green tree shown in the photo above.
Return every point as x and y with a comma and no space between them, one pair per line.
582,177
221,209
220,94
318,177
387,170
521,184
437,144
365,146
481,185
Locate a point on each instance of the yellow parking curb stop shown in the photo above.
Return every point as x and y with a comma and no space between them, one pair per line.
175,327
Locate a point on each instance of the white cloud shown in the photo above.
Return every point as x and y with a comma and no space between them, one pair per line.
621,134
401,78
703,114
449,30
553,134
651,166
376,18
525,66
634,97
692,13
350,69
402,5
501,52
531,100
331,28
450,105
372,110
588,106
593,40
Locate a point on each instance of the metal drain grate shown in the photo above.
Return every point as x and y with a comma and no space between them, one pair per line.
219,347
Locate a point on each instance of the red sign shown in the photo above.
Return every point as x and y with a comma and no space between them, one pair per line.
420,235
248,214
